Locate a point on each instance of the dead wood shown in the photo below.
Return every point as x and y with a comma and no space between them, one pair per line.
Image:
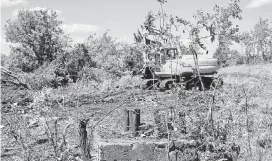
13,76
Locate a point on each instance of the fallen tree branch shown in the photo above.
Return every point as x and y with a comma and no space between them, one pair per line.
14,76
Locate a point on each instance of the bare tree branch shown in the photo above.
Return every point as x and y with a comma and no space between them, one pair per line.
14,76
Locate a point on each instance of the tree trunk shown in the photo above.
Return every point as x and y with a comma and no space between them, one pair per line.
84,143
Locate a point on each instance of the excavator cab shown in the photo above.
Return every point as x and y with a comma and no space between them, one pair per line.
159,59
168,54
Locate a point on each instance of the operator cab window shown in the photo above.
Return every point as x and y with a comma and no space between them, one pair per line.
171,54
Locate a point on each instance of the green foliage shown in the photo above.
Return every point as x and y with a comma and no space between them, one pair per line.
43,77
235,58
258,42
97,55
228,57
5,60
218,24
107,54
112,56
134,59
42,49
138,37
221,55
71,63
149,23
37,37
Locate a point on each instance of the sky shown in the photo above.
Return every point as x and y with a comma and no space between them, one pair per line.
123,17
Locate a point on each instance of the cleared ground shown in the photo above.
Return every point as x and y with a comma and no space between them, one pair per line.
242,111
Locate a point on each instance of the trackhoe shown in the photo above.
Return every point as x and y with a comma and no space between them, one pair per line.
172,68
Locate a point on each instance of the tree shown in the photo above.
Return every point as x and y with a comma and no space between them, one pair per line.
230,57
37,37
262,35
218,24
107,53
247,43
97,57
133,59
258,42
70,64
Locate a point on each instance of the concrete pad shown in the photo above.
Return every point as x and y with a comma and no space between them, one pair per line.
146,150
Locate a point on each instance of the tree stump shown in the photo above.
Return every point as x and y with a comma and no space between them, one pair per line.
182,122
84,142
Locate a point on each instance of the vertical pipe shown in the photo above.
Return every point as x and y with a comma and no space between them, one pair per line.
137,121
131,121
126,120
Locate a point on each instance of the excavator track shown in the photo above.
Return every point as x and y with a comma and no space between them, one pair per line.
149,84
167,84
189,83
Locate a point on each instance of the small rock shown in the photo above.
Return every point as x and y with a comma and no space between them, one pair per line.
71,157
143,135
192,143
